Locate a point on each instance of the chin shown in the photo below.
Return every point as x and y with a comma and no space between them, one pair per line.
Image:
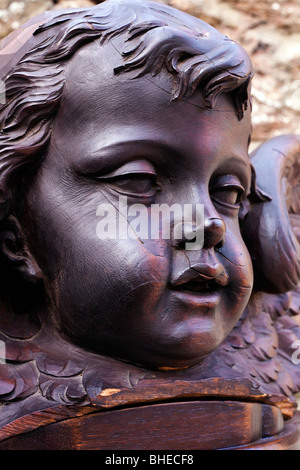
181,358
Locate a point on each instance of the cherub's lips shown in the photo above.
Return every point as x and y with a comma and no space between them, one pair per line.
200,285
201,277
199,301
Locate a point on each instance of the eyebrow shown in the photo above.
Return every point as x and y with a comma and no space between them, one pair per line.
245,166
136,148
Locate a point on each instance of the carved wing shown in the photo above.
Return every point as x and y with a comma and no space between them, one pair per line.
270,229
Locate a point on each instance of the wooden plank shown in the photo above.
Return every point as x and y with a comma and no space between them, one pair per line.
187,425
34,414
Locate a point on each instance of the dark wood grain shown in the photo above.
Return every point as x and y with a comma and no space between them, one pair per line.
172,426
141,342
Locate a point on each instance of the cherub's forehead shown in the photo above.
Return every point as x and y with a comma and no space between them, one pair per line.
101,106
91,86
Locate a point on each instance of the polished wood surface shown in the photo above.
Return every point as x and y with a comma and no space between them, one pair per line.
131,341
195,425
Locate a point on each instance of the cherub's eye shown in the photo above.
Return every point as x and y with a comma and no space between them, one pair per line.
135,178
230,196
135,184
228,191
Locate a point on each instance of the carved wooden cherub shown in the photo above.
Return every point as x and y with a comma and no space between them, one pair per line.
138,101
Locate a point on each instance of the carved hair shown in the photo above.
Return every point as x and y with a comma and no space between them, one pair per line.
156,39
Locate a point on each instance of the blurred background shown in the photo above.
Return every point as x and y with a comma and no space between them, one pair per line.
268,30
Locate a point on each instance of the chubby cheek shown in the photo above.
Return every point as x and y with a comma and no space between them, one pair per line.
110,283
141,276
238,264
94,284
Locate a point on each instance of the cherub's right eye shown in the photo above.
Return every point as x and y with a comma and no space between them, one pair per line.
134,184
136,178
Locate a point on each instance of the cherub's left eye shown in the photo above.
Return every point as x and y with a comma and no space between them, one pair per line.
228,191
231,196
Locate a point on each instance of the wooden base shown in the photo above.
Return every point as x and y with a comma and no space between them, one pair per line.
188,425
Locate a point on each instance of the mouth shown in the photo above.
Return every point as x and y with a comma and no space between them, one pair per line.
201,296
199,287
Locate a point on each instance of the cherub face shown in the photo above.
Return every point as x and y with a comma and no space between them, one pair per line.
151,301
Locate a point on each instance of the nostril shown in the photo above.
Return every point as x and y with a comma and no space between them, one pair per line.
214,232
220,244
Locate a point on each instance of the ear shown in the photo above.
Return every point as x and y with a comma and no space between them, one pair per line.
270,225
15,249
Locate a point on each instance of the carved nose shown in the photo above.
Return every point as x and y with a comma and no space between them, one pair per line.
214,232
